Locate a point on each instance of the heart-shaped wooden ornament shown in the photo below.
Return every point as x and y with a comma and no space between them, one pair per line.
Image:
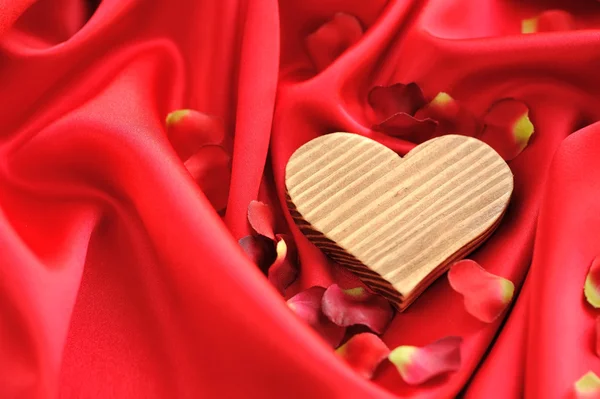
397,222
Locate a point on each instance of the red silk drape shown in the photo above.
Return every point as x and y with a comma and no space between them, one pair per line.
119,279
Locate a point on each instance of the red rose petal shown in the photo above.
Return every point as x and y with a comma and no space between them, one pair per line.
587,387
549,21
359,294
486,295
417,365
307,305
397,98
333,38
283,272
345,278
507,128
188,130
452,117
591,288
407,127
260,250
210,166
363,353
346,309
261,219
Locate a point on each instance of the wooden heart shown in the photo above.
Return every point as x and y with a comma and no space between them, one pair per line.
397,222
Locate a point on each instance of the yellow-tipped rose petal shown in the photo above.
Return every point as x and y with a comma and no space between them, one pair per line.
189,130
417,365
486,295
442,99
357,293
507,127
522,130
364,352
175,116
284,269
548,21
364,308
591,288
529,25
588,386
450,114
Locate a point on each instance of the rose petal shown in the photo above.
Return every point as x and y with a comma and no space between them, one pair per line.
407,127
333,38
397,98
260,250
451,115
346,309
507,128
283,272
548,21
363,353
417,365
188,130
588,386
344,277
486,295
529,25
591,288
307,305
359,294
210,166
261,219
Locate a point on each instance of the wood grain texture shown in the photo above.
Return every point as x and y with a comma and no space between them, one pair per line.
397,222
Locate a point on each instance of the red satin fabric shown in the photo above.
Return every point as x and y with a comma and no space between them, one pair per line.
119,279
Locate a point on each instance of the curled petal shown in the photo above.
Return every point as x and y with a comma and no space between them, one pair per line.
346,309
397,98
407,127
588,386
210,166
486,295
364,352
307,306
548,21
333,38
260,250
507,128
417,365
452,116
283,272
261,219
591,289
188,130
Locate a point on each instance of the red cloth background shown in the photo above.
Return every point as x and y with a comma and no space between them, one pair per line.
119,279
